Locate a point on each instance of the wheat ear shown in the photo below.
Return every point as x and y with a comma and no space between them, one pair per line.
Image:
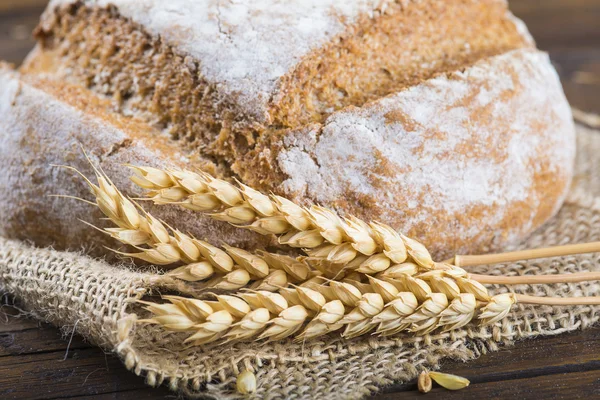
398,299
229,268
388,304
333,244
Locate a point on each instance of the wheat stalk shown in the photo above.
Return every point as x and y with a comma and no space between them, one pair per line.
229,268
386,304
529,254
398,299
333,244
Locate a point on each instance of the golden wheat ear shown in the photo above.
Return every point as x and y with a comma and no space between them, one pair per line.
309,312
421,303
335,245
192,260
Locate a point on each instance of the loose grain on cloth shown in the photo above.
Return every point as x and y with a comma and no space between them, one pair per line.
72,290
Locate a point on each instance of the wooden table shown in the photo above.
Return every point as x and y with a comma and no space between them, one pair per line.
38,361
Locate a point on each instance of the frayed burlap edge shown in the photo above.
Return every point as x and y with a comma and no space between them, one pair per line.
99,300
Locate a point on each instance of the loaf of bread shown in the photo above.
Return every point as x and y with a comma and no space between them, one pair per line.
438,117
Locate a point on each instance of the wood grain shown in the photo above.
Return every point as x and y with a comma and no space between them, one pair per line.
37,361
570,353
29,6
574,385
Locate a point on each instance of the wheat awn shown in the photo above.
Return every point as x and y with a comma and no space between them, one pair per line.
224,269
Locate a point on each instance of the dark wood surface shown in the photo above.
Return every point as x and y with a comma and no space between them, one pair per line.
38,362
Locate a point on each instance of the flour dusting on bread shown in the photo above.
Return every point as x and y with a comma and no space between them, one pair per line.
468,141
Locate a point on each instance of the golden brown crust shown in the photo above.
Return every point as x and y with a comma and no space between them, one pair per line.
467,162
405,46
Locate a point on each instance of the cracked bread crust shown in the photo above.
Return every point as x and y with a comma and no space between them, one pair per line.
171,83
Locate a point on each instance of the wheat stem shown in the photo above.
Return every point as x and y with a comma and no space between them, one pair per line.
558,301
556,251
536,279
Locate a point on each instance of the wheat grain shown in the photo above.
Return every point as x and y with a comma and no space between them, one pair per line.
318,307
333,244
497,308
245,382
424,382
225,269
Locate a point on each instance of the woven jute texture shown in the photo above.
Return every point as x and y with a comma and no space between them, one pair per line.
71,290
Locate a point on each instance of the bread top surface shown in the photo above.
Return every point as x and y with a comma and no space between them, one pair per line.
87,44
479,157
244,46
248,49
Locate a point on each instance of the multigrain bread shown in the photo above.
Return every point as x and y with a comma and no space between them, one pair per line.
437,117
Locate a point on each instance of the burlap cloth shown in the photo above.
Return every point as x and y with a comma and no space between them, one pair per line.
70,290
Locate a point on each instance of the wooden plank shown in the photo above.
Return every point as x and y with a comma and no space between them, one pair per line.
560,23
47,375
584,385
137,394
39,340
16,27
529,358
10,321
36,355
580,73
31,6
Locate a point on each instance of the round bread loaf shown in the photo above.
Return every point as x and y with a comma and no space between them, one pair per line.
439,118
